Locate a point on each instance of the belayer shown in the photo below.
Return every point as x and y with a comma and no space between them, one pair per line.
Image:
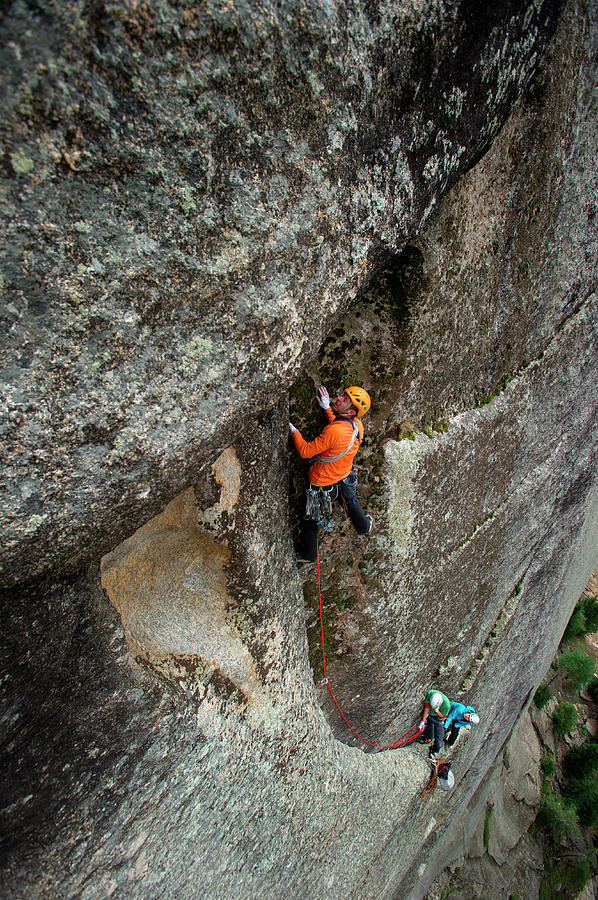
442,715
330,474
436,708
458,717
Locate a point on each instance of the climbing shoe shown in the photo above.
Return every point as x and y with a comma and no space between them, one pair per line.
371,521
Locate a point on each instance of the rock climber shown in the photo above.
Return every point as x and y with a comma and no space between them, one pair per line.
436,708
459,715
330,473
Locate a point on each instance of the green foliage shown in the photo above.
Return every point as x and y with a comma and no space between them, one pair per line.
542,696
581,760
566,879
581,771
564,717
576,876
590,611
584,619
588,814
484,399
556,815
548,765
578,665
576,625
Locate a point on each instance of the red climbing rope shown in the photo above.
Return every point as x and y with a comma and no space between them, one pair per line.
365,618
400,742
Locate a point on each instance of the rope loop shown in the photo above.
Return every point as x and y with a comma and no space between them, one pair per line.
401,741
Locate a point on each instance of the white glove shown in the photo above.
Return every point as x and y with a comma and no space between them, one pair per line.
292,428
422,725
323,398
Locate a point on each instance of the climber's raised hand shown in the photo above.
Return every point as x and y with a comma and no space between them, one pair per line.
323,398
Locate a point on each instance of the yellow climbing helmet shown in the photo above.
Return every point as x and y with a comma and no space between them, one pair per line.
360,399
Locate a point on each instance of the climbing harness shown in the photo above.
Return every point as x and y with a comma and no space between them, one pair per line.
330,459
401,741
318,503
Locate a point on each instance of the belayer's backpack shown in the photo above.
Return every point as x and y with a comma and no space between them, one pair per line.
446,779
441,774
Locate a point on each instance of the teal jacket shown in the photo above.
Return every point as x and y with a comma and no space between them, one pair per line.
455,716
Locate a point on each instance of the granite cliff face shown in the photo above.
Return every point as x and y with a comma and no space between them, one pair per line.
210,210
194,196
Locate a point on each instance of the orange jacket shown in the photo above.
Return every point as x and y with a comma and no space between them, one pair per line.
330,442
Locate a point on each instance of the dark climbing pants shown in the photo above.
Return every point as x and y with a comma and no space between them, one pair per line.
309,529
451,735
434,729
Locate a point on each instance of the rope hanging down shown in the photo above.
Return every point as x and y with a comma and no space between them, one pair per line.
365,618
400,742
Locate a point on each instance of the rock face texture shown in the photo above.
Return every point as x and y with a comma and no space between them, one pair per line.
194,195
210,209
494,840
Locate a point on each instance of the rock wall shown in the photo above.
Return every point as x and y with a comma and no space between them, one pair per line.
163,727
493,845
478,325
194,196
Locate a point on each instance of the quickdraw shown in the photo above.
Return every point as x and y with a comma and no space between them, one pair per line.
318,507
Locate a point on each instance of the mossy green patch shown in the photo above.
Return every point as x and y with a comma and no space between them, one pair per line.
194,353
302,396
400,288
21,163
